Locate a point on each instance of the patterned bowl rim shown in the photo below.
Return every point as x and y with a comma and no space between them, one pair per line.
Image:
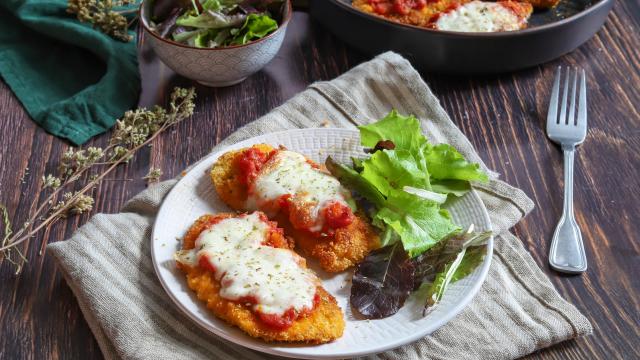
288,14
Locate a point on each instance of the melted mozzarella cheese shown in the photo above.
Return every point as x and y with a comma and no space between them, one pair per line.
479,16
246,268
289,173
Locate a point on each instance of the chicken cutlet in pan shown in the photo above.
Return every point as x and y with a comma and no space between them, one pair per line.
456,15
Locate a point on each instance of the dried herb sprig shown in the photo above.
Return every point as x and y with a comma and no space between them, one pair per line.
105,15
13,256
153,175
134,130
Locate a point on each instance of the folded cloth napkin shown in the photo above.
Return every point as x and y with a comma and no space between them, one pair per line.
73,80
107,262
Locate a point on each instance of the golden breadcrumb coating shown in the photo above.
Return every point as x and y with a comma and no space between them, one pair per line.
227,179
324,324
347,247
421,17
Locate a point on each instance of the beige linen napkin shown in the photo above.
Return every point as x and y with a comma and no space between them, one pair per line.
107,262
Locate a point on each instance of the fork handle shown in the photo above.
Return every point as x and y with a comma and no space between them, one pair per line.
567,250
569,154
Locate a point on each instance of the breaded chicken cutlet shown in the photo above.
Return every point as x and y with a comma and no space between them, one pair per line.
243,268
305,200
463,15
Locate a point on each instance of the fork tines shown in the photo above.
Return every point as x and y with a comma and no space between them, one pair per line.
567,113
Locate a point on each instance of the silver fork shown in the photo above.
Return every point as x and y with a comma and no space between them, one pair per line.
567,250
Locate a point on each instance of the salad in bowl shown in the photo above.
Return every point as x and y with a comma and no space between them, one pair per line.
215,42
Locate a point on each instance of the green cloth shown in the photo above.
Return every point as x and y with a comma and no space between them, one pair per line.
73,80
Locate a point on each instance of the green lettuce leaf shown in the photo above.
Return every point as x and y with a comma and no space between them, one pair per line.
454,187
388,236
463,265
465,253
393,169
255,27
404,131
357,164
420,223
210,19
220,38
445,162
187,36
202,38
352,180
217,5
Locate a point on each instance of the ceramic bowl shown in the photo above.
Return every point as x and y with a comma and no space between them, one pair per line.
220,66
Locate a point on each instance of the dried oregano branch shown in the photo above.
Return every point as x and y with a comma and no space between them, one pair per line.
153,175
13,256
134,130
73,203
105,15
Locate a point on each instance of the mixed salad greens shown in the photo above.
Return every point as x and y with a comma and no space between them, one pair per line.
215,23
402,186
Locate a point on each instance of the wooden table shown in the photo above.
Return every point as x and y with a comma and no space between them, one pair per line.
502,115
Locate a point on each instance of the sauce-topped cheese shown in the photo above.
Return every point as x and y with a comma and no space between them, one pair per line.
399,7
480,16
272,280
313,199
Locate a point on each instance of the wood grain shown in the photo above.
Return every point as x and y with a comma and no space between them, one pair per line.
503,116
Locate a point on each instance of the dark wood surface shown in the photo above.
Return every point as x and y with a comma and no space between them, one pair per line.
502,115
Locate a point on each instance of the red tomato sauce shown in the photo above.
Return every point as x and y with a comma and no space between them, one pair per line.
204,263
397,7
285,320
336,215
250,162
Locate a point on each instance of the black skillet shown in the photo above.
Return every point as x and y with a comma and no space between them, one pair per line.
550,34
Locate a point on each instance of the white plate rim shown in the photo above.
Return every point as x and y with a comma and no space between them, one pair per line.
270,348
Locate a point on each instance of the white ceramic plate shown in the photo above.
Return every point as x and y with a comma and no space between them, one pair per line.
194,196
